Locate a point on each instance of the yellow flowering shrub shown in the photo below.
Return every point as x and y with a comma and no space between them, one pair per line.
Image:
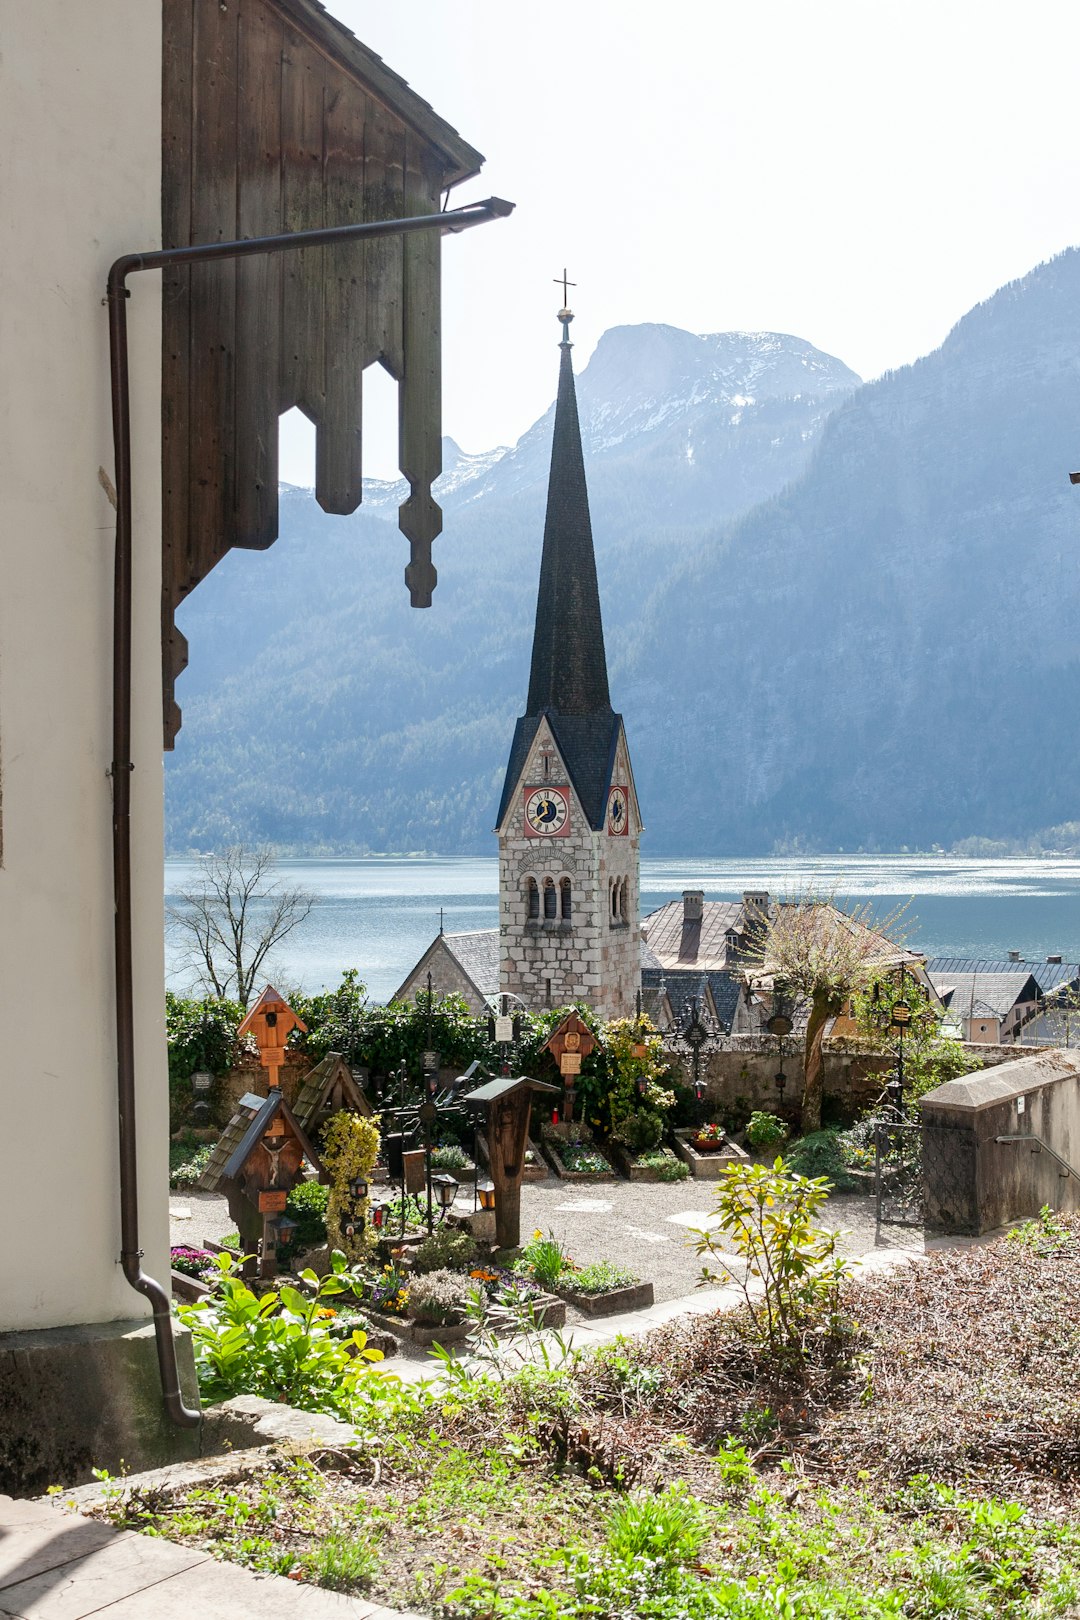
350,1146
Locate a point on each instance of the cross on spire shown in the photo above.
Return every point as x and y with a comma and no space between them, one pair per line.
566,314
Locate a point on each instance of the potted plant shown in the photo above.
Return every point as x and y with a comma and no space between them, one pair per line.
706,1149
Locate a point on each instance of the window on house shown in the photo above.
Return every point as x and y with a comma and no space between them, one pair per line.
533,892
550,909
565,899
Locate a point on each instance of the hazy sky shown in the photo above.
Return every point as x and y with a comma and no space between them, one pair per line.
856,172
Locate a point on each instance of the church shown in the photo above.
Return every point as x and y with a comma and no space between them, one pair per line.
568,824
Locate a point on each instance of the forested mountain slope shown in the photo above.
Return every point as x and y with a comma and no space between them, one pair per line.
887,653
323,714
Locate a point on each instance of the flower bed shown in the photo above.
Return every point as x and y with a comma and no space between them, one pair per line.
704,1158
604,1289
573,1155
661,1164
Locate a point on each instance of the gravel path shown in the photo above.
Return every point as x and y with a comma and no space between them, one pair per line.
642,1225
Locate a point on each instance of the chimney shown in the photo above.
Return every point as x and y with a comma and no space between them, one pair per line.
1054,959
756,898
693,902
1014,956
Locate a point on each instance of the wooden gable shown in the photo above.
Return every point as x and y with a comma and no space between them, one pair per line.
275,119
327,1089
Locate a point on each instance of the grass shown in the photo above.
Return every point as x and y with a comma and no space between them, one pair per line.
931,1474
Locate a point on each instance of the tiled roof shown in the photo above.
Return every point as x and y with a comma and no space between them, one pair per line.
677,943
717,991
311,1097
478,955
226,1146
982,994
1047,975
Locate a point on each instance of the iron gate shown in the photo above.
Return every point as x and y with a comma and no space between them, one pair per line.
898,1172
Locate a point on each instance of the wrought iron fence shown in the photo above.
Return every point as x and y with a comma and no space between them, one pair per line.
898,1172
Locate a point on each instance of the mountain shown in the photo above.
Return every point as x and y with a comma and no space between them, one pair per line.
323,714
887,653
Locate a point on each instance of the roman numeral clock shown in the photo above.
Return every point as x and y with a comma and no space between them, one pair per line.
547,812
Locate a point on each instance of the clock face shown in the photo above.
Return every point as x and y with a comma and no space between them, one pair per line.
618,817
547,812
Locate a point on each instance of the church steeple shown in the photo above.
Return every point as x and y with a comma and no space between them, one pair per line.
569,826
569,666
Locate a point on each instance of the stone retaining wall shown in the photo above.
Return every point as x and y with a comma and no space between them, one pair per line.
743,1074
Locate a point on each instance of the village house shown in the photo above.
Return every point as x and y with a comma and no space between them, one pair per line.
140,397
999,1003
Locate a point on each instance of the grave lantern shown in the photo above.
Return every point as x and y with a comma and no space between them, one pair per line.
445,1189
485,1191
284,1229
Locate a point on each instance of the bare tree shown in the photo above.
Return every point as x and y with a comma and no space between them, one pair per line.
232,918
820,955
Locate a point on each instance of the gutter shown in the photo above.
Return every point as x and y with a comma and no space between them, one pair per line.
117,294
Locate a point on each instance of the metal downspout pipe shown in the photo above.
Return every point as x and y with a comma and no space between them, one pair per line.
117,294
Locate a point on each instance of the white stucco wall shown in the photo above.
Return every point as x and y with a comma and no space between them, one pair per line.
80,112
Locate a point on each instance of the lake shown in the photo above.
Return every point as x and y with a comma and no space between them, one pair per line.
380,913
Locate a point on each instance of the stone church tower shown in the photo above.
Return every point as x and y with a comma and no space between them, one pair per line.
569,827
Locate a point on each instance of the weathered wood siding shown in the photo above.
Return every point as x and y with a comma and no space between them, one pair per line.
277,119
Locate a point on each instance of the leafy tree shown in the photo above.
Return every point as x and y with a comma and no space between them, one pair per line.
231,919
930,1058
821,955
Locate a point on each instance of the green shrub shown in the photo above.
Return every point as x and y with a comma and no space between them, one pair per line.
665,1165
306,1205
669,1528
440,1297
276,1345
766,1130
791,1274
447,1249
187,1161
642,1132
821,1154
450,1157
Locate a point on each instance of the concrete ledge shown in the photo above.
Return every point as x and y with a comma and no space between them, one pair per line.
77,1398
975,1177
1005,1082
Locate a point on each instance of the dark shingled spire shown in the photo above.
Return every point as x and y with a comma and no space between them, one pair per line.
568,682
569,669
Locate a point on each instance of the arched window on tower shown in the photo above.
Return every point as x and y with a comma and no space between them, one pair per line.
550,907
611,900
533,892
623,886
565,899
